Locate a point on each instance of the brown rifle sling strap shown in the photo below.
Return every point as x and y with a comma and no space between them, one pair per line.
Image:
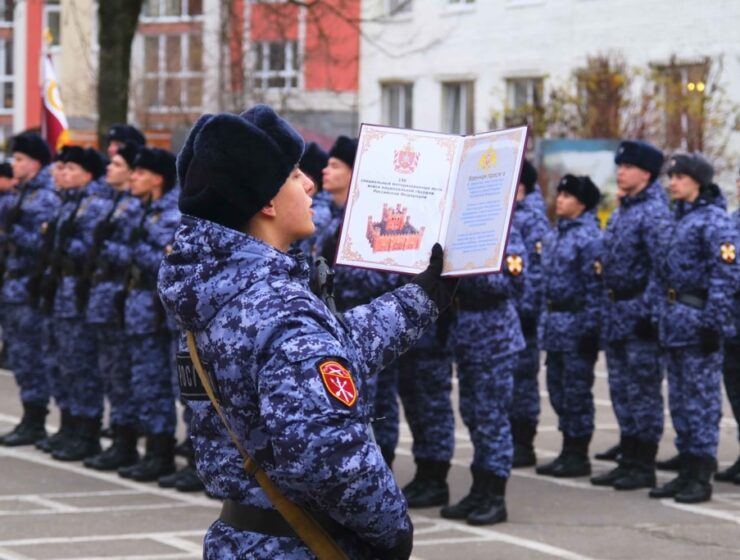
305,526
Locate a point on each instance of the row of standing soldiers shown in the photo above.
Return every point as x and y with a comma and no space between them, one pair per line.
81,240
657,290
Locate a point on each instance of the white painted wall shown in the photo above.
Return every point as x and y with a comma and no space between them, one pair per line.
495,39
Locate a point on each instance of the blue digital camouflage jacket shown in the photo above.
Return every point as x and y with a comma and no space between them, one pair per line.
26,238
571,268
698,257
630,260
272,346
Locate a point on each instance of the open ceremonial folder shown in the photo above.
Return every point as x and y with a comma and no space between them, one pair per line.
411,189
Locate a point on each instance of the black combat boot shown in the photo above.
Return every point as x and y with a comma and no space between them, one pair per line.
673,487
698,487
522,435
548,468
189,481
66,429
121,453
627,446
30,429
642,471
575,461
469,503
158,461
84,443
611,454
672,464
492,508
730,473
184,480
185,448
429,485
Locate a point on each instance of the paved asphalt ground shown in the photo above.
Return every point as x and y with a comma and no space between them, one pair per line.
54,510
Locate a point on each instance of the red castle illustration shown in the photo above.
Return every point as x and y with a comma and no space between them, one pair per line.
394,232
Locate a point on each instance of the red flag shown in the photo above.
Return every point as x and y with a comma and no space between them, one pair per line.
54,125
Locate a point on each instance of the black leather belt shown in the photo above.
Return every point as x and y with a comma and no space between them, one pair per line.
622,295
564,306
696,298
269,521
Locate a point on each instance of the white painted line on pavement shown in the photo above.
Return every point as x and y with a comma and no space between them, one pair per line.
101,493
178,542
40,459
99,538
8,555
490,534
62,509
51,505
705,511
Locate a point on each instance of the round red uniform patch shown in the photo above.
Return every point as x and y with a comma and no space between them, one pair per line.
338,381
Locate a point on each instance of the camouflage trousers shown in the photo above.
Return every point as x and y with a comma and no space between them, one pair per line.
425,387
114,366
23,335
525,405
635,379
695,398
151,381
486,387
570,378
78,367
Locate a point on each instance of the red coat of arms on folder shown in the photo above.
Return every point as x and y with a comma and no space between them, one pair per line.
405,160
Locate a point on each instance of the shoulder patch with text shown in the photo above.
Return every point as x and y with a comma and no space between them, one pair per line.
191,388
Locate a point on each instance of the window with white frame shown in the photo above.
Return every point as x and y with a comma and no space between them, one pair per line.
398,104
276,65
53,23
6,76
173,72
524,100
160,9
457,107
399,6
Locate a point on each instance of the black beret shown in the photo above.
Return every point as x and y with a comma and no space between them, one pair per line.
128,152
529,176
694,165
582,187
231,166
344,149
640,153
126,133
6,170
160,162
87,158
313,162
33,146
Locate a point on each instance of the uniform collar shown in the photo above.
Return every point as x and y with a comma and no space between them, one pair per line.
645,194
